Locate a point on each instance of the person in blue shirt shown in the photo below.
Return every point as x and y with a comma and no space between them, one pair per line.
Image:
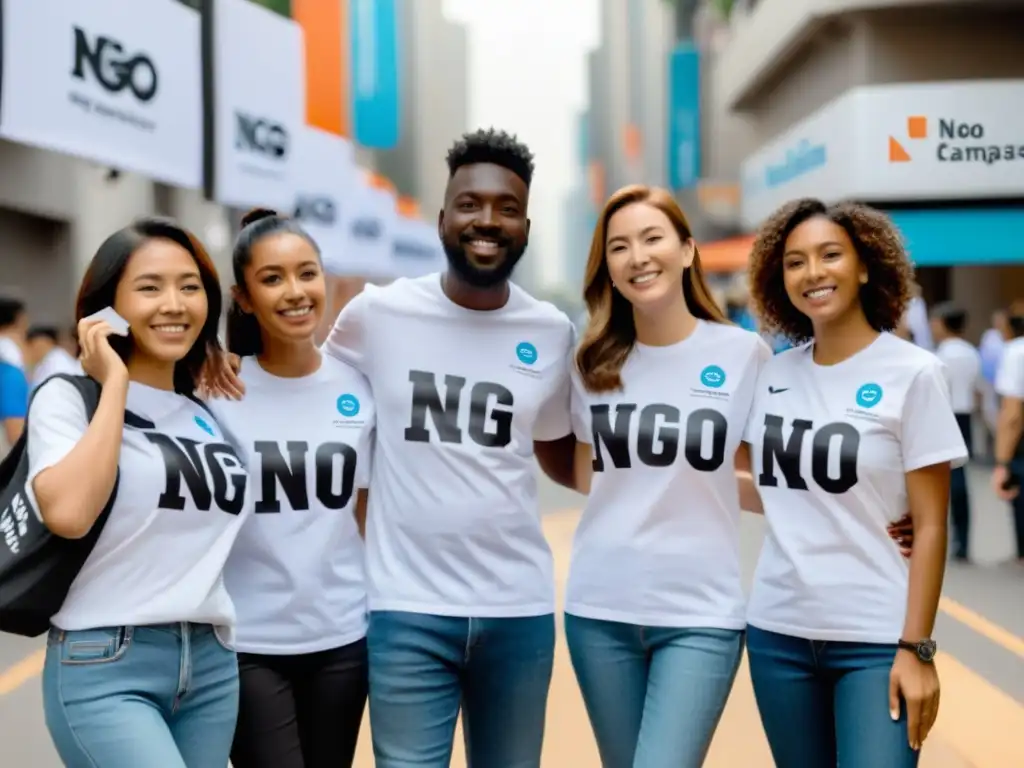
13,384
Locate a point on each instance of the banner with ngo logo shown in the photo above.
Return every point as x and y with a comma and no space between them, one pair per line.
111,81
416,245
259,93
371,223
325,173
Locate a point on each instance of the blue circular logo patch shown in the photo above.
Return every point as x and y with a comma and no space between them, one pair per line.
869,395
526,352
712,377
201,423
348,405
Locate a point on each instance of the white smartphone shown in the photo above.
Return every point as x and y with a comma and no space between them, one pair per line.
114,320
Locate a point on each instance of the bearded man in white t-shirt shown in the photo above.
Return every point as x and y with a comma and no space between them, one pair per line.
471,379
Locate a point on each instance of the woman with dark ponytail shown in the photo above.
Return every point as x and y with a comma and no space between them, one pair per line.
296,572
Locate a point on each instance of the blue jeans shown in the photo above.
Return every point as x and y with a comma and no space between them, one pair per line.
423,667
156,696
654,695
827,703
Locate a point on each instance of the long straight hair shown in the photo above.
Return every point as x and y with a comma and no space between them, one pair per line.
611,331
99,287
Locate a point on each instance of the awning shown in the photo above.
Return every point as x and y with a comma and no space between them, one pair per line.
949,237
729,255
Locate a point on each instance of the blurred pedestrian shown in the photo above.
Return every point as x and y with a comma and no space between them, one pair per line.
1009,443
993,343
963,377
47,353
13,380
846,431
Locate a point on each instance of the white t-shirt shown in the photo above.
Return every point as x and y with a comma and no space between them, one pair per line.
1010,377
831,446
453,526
658,543
296,572
962,363
181,499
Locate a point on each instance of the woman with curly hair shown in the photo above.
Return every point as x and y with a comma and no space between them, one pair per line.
847,431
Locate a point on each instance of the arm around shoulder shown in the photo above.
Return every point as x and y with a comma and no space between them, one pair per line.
72,461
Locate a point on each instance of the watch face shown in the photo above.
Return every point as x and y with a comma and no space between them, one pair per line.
926,650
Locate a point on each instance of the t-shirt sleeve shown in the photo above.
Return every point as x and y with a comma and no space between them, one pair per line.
367,446
579,404
553,419
762,354
347,341
1010,376
56,422
929,433
13,392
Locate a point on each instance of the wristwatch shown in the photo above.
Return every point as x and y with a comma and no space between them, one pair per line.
924,649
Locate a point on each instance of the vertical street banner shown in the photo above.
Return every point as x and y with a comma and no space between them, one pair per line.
684,135
326,183
371,231
258,105
109,81
375,87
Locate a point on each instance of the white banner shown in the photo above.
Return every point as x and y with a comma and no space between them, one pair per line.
417,247
371,234
260,93
325,178
112,81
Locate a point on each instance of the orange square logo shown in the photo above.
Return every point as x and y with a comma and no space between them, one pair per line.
917,127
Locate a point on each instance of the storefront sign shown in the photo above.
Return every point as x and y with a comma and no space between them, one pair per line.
949,141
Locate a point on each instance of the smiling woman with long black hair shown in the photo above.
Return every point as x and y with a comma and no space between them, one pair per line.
138,665
297,573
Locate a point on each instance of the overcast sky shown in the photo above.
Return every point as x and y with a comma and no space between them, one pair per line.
527,64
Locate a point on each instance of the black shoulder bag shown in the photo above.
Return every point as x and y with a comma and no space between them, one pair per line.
36,566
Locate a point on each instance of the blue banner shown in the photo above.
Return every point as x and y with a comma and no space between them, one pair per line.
376,92
684,117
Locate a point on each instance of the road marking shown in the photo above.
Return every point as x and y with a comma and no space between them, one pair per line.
983,626
14,677
977,719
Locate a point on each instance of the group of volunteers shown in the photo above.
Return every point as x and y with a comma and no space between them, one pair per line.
360,520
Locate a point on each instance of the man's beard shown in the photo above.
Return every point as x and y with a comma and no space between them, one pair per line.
482,278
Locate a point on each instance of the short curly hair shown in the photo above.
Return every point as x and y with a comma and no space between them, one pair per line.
878,245
492,146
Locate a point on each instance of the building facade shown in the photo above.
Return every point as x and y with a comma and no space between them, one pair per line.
906,105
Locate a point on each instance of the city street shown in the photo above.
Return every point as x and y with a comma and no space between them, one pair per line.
981,664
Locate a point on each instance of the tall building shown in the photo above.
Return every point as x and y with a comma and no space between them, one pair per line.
435,108
901,104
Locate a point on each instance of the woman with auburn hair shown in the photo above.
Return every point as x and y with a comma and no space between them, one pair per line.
847,430
662,389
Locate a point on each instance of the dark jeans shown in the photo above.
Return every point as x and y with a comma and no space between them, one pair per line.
300,711
825,704
424,667
959,495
